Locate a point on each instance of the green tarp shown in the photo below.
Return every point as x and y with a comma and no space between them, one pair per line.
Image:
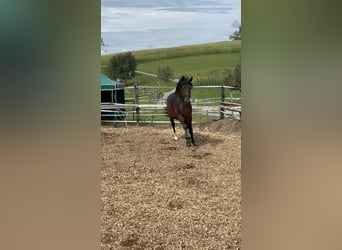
108,84
112,92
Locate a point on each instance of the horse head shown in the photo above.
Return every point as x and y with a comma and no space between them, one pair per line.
184,87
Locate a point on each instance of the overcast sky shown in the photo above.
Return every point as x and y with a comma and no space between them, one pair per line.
134,25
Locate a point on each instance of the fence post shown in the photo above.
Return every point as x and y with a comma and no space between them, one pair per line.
136,102
222,101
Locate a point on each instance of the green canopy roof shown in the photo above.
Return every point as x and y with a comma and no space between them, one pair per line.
109,84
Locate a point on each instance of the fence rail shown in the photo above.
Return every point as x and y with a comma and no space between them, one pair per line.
135,112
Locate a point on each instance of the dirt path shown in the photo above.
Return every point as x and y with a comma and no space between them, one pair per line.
159,194
154,75
166,94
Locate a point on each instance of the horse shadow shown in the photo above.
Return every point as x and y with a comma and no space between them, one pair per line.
201,140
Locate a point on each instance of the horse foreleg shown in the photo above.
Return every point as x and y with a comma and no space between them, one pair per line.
192,135
187,130
174,129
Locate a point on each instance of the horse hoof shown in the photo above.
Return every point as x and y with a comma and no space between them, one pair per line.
175,138
188,144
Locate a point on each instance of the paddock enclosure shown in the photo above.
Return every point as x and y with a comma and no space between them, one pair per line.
156,193
146,105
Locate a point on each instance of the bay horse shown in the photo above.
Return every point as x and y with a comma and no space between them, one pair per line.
179,107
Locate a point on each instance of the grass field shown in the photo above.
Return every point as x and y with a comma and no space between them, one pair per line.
193,64
151,55
212,66
209,64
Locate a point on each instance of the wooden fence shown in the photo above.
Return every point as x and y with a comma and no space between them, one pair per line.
146,105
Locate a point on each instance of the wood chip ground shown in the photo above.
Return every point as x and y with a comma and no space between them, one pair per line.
157,193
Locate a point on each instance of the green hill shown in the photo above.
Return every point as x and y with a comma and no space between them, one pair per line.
209,64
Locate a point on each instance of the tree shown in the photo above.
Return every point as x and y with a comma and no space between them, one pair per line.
103,45
237,74
230,80
165,73
122,66
236,35
234,78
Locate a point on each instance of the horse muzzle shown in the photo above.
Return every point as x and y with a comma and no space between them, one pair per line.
187,99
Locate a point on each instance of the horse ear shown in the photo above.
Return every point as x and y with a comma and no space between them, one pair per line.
182,78
190,79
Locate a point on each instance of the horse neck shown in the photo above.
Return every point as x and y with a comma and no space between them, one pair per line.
179,95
